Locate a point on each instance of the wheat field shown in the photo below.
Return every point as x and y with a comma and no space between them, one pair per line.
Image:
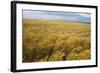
51,40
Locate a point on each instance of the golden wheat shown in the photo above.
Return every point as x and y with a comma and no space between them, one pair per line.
47,40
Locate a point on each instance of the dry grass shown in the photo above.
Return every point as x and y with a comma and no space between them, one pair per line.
45,40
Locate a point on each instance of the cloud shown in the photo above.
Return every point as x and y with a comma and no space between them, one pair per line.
85,14
53,15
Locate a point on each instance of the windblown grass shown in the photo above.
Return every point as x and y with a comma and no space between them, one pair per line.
47,40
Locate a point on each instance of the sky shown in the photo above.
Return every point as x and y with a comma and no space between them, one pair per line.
57,15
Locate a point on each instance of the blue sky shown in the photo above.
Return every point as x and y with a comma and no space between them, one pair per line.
53,15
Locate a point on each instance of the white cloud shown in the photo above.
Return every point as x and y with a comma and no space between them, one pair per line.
85,15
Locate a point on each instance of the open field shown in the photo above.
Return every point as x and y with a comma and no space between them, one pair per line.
48,40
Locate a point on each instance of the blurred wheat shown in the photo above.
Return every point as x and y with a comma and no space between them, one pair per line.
45,40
